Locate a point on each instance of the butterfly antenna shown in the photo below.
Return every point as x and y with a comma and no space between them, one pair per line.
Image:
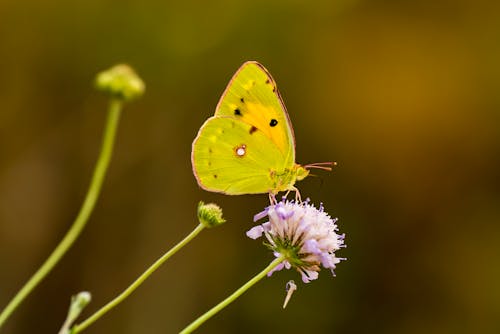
328,166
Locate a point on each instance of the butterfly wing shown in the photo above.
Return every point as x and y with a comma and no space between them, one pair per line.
231,157
252,97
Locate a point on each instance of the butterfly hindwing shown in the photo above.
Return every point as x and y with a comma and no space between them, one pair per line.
230,156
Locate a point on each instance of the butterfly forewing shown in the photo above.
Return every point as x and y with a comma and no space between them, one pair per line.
252,97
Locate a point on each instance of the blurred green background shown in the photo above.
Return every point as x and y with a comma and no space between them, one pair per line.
404,95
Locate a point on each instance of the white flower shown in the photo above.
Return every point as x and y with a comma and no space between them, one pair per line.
306,236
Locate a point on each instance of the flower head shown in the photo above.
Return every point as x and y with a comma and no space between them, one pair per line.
306,236
210,215
121,82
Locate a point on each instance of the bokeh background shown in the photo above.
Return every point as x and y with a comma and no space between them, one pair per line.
404,95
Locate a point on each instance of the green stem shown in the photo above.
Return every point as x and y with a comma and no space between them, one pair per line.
80,327
66,325
85,211
197,323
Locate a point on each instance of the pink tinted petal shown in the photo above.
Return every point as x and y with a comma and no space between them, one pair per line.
277,268
327,260
282,212
308,276
311,246
260,215
255,232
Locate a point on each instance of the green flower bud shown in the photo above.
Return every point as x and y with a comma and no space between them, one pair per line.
78,303
121,82
210,215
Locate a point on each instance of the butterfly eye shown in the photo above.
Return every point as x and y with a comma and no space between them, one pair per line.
273,122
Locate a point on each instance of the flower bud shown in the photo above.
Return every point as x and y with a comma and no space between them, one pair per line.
78,303
121,82
210,215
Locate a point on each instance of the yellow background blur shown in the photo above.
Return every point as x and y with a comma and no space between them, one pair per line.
404,95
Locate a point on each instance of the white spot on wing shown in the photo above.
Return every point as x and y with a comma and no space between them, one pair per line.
240,150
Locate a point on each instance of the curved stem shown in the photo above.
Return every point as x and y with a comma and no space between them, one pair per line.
197,323
114,111
80,327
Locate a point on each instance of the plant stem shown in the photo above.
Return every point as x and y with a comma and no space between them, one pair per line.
197,323
80,327
113,118
66,325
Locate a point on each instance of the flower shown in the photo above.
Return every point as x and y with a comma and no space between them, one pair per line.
306,237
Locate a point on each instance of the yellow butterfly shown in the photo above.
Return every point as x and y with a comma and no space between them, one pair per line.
248,146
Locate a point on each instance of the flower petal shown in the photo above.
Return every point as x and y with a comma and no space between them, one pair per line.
255,232
311,246
261,215
309,275
277,268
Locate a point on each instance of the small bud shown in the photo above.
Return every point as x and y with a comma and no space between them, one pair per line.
78,303
210,215
120,81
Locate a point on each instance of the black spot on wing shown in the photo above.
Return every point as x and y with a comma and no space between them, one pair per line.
242,100
268,81
215,176
273,122
237,112
252,129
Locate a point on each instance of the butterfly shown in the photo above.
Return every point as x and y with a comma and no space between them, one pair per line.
248,146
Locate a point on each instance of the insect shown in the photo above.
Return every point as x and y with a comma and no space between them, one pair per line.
248,146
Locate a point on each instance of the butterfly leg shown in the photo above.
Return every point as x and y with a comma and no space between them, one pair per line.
288,191
298,198
272,199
